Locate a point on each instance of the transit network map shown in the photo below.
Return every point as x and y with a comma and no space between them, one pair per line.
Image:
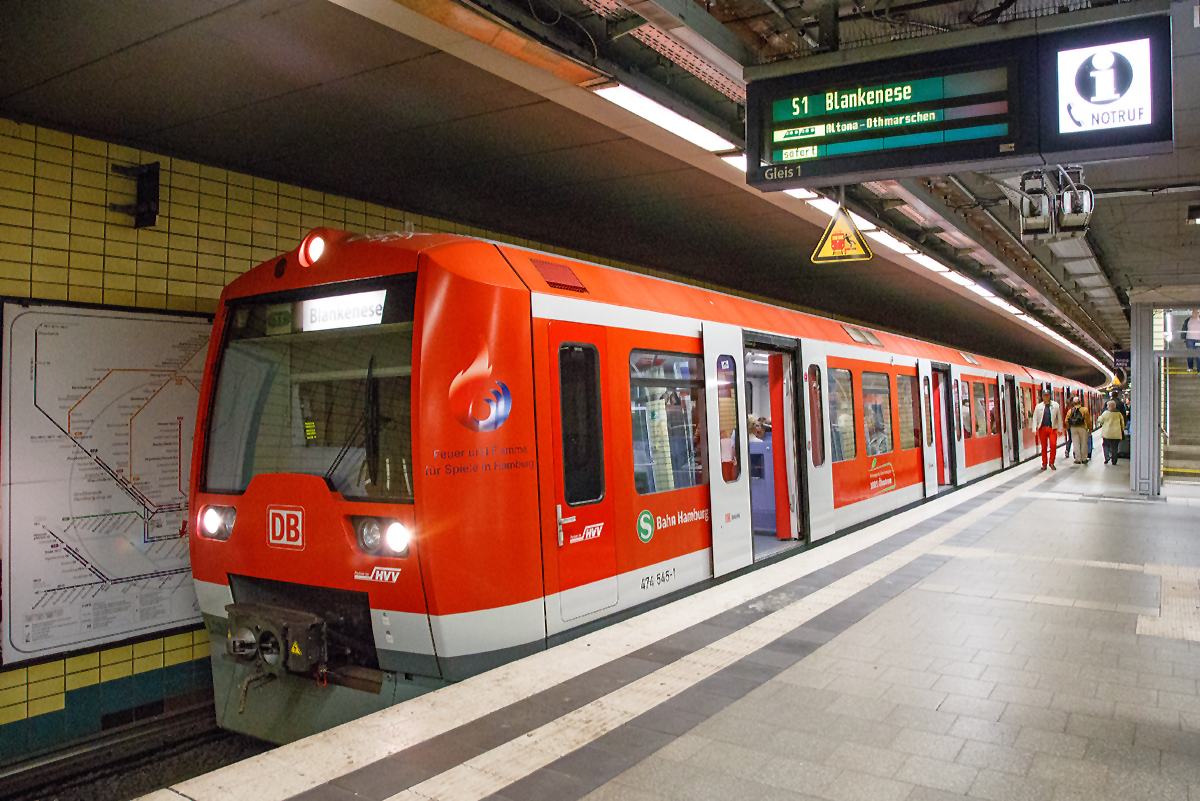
97,416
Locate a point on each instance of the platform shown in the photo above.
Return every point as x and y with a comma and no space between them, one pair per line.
1031,636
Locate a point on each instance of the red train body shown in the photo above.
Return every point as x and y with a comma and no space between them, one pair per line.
468,400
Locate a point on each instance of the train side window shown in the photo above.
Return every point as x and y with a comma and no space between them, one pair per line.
666,404
842,442
816,415
993,406
908,396
980,409
877,412
727,413
582,423
968,431
928,413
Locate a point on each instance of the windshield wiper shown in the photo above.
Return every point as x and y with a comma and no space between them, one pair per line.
370,422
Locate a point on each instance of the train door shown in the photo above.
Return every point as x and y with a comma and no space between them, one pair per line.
818,482
928,446
775,510
1013,417
943,426
729,474
587,552
1006,444
960,400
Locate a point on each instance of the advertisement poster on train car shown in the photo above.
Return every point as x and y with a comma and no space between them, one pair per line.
98,410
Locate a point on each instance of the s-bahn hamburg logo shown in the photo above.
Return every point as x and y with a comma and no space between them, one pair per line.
285,527
478,402
1104,87
645,526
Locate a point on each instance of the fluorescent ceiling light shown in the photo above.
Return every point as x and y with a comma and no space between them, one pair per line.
928,263
958,279
1004,304
889,241
803,194
978,290
664,118
738,161
863,225
824,205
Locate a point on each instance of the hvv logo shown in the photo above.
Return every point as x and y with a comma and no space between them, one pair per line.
473,390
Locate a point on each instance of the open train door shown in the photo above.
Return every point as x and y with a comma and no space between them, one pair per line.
729,457
928,445
957,396
1007,458
1012,418
819,468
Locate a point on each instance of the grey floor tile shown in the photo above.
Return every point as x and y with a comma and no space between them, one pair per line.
985,731
995,757
1147,785
974,707
1047,742
734,760
797,775
859,707
1123,757
996,786
865,759
1077,774
852,786
937,774
920,718
922,743
546,784
1050,720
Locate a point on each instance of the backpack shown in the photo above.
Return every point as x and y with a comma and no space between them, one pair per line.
1075,418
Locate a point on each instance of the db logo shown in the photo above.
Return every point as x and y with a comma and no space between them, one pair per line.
285,527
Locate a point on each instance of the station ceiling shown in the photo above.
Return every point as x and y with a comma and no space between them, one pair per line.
314,94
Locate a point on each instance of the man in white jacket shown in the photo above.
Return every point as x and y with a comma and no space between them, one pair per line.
1047,422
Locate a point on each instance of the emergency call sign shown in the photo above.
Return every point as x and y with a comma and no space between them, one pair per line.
1104,87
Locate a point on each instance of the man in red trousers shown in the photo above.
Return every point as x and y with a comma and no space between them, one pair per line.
1048,420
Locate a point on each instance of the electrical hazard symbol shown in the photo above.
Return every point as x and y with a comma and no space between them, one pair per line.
296,648
842,241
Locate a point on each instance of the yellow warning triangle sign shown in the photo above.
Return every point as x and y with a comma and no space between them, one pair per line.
842,241
296,648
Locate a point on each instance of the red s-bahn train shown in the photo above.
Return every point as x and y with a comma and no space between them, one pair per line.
421,456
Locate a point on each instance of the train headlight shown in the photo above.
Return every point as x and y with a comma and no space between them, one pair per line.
396,537
216,522
382,536
369,534
311,250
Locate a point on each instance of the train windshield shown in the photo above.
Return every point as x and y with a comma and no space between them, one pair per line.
318,383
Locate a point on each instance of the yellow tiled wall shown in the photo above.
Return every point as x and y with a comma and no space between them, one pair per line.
60,241
37,690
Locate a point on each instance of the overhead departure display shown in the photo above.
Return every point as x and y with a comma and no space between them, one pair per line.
953,108
974,107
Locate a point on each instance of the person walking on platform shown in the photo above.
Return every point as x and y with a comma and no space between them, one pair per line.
1047,415
1079,421
1112,431
1190,334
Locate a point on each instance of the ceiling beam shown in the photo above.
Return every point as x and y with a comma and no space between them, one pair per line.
699,31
